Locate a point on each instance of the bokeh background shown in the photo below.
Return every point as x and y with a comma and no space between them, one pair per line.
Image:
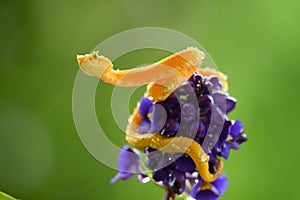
41,156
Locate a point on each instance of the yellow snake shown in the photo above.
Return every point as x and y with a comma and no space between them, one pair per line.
162,77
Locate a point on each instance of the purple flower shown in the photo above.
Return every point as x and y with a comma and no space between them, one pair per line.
209,191
158,119
189,112
185,164
217,85
145,105
224,101
145,126
171,178
237,137
129,164
170,169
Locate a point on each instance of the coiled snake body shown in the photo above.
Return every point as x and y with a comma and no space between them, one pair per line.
162,77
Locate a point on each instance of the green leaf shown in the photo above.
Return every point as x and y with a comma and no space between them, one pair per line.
4,196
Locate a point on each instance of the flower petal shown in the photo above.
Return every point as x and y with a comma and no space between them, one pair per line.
221,184
215,82
179,184
241,138
145,126
206,195
185,164
224,101
195,189
226,150
236,128
223,136
230,104
154,158
163,175
128,162
189,112
159,116
145,105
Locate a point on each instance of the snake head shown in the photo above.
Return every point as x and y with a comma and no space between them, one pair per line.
93,64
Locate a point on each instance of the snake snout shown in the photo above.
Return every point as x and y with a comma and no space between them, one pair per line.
93,64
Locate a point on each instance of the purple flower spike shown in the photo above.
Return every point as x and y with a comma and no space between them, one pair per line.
203,120
129,164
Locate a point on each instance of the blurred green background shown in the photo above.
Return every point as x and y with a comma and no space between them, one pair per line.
255,42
